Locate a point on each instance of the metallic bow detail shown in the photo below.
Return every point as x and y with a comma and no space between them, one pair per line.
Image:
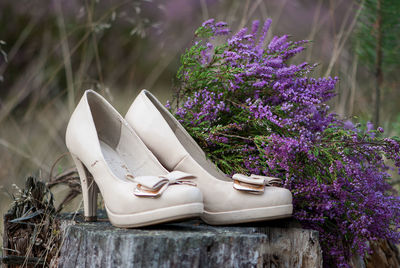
154,186
255,184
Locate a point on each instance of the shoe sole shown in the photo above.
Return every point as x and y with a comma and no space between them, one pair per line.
247,215
156,216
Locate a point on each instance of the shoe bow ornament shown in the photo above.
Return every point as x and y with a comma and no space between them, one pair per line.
254,184
154,186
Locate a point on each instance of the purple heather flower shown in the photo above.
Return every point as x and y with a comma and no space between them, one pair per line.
260,84
370,126
208,22
336,173
221,24
265,29
254,26
348,125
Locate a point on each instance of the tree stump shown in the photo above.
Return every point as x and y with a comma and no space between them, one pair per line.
190,244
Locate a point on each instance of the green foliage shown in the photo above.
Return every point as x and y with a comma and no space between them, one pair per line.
366,34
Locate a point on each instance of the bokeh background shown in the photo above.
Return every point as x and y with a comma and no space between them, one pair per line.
51,51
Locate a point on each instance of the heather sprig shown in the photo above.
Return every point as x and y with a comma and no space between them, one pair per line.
254,112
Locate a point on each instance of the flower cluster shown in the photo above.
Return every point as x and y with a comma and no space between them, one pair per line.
253,112
204,107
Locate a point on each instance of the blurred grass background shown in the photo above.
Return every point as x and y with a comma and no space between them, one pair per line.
51,51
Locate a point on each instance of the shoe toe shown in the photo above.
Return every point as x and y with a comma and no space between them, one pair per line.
277,196
182,194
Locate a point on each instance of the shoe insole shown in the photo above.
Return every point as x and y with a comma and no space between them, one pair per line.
114,161
131,157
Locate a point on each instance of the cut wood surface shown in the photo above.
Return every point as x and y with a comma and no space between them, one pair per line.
190,244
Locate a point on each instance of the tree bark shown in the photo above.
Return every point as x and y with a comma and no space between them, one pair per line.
378,63
190,244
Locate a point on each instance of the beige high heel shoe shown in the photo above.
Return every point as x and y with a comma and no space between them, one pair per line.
226,200
136,189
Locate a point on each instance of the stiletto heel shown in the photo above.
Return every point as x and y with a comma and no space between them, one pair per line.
89,190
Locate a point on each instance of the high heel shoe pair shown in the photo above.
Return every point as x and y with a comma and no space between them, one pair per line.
149,170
